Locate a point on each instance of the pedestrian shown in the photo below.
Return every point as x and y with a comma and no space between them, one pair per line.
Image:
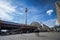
37,32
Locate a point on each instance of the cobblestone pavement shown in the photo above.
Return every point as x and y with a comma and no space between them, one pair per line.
33,36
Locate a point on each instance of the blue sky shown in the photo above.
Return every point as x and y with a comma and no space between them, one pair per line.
38,10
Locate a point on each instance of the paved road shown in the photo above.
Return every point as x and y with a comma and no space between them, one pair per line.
32,36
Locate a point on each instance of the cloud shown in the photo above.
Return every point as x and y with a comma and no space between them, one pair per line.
33,10
21,11
5,16
49,12
50,23
5,9
35,18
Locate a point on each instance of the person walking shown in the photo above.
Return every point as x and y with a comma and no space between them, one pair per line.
37,31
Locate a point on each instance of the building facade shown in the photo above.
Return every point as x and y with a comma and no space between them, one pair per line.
58,11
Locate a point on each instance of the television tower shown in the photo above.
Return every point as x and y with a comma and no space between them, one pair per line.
26,10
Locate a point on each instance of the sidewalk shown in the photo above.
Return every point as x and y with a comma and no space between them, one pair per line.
32,36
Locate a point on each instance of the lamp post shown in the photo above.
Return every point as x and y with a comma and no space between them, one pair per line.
26,10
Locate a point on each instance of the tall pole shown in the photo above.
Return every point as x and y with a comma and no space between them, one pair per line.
26,10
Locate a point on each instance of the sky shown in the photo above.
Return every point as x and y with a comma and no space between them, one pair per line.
43,11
